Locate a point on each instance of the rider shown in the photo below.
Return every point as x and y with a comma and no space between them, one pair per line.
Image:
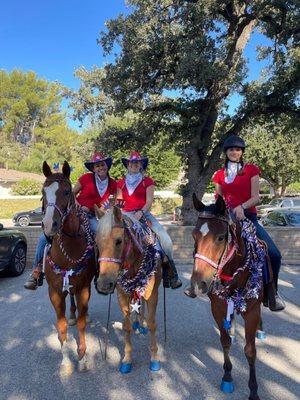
137,192
94,187
238,183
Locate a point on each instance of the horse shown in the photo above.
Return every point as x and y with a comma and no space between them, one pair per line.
121,255
219,264
70,264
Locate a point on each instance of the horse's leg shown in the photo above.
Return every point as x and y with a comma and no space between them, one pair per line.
151,305
72,320
59,304
82,299
126,364
252,319
219,312
260,333
232,329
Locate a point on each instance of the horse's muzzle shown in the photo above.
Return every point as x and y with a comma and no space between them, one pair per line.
105,285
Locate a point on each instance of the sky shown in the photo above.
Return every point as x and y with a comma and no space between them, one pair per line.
55,37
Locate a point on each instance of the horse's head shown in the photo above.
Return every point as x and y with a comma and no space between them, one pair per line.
57,198
210,235
110,240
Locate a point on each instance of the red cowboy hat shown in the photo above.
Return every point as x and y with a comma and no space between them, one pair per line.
98,157
135,156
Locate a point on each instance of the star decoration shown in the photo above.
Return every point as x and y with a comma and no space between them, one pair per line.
67,288
135,307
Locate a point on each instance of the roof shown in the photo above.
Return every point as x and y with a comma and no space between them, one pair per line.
11,175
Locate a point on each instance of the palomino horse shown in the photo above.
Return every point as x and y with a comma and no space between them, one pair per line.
120,254
219,264
70,264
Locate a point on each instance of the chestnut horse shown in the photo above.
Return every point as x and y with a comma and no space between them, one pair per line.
118,252
70,263
212,267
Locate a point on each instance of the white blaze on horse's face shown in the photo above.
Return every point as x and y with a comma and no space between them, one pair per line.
204,229
50,192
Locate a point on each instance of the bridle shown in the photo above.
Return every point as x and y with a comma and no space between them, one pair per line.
222,261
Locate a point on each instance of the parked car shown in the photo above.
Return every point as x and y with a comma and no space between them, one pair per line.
283,202
13,250
282,217
25,218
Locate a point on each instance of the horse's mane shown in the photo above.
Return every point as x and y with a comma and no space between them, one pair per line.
105,224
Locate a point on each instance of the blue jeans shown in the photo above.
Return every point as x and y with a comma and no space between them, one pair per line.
273,251
164,238
39,251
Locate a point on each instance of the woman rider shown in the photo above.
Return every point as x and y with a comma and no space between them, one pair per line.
137,192
94,187
238,183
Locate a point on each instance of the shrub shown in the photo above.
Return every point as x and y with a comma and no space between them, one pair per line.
293,189
27,187
165,206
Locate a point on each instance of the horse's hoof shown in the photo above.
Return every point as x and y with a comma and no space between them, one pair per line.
135,325
83,364
72,321
154,365
143,330
66,370
125,368
233,339
261,335
227,387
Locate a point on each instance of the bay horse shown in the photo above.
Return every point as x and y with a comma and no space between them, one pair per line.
70,263
120,254
217,262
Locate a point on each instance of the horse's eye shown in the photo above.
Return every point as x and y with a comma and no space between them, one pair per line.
67,192
221,238
118,242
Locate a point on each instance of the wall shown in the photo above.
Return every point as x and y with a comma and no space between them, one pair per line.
287,239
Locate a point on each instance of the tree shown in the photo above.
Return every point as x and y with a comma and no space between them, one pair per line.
274,146
179,62
32,126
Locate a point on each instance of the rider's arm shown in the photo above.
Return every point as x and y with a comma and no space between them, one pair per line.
218,189
77,188
149,198
254,199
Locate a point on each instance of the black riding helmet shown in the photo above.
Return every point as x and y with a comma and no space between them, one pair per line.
234,141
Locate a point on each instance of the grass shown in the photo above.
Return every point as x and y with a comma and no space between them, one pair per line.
10,206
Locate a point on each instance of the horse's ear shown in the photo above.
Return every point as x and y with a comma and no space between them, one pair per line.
98,211
197,203
66,170
220,205
117,214
46,169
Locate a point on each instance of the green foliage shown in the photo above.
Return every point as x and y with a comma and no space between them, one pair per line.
164,206
274,147
293,189
27,187
32,127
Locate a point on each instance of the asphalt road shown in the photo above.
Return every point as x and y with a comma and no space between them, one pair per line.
191,360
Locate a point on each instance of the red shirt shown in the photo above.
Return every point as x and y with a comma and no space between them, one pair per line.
138,198
239,191
89,194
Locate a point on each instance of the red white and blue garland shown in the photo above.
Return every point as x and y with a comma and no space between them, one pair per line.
255,259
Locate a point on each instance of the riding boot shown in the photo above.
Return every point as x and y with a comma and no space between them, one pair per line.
36,279
272,298
171,278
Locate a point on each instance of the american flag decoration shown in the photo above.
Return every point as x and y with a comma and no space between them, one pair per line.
106,204
56,166
120,203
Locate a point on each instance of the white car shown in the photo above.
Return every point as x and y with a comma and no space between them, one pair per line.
282,202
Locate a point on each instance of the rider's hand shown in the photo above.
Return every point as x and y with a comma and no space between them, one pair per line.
239,213
138,215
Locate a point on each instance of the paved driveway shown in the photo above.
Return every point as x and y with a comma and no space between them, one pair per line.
191,359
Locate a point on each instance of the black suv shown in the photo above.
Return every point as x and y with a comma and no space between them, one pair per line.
13,250
25,218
